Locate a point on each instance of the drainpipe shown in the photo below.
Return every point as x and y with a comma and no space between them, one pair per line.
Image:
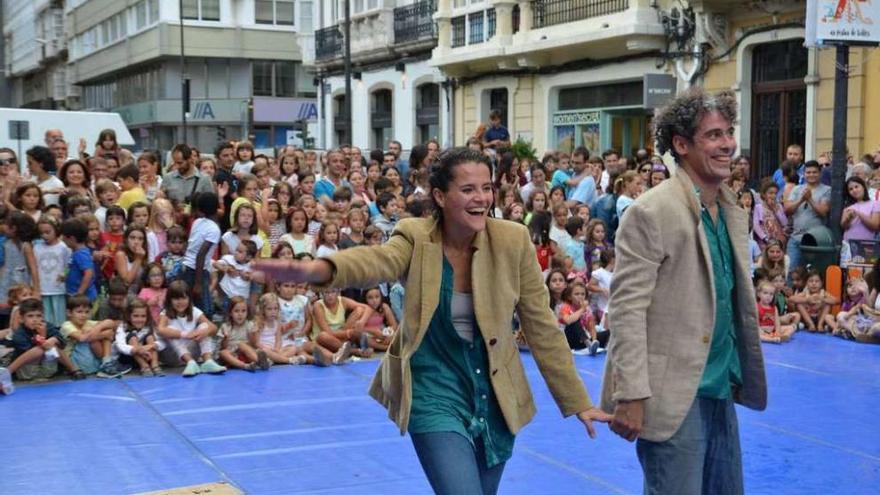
688,76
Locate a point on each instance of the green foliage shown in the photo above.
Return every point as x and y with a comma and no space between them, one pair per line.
523,149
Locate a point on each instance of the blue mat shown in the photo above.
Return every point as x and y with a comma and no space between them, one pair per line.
298,430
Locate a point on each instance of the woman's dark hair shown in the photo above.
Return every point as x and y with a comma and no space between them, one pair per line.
87,177
442,172
505,168
43,156
552,190
539,227
178,290
547,283
417,155
847,198
25,226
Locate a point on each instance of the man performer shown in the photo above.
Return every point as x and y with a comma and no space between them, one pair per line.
684,332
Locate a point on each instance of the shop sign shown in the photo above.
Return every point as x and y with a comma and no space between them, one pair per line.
657,90
285,110
576,118
849,21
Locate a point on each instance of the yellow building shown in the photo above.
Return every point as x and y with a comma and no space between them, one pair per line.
567,73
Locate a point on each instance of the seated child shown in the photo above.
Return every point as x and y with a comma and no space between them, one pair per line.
188,331
235,335
856,317
136,340
37,349
296,319
381,325
817,303
113,307
577,319
783,300
768,317
88,342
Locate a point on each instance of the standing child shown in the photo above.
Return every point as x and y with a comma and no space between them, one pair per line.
153,291
172,259
236,270
600,288
107,193
574,246
768,317
52,258
80,279
235,336
387,218
244,155
357,222
203,239
187,331
29,199
327,239
596,242
20,263
110,242
36,343
244,227
129,181
161,220
817,303
89,342
131,259
539,229
277,227
136,340
297,237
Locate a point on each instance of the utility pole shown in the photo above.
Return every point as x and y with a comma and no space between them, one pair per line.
349,131
184,82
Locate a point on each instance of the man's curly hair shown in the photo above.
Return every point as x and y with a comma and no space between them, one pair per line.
682,115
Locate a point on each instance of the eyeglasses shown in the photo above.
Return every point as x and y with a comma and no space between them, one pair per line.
645,170
10,161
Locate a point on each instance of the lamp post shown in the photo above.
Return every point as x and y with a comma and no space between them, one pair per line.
184,82
347,58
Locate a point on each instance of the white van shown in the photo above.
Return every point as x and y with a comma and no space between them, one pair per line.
22,128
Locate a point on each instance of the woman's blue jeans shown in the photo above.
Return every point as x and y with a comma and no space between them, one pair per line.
453,466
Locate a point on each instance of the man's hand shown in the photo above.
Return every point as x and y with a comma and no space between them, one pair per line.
628,419
593,414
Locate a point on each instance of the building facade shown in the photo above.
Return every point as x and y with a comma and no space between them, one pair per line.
243,60
395,92
566,73
35,55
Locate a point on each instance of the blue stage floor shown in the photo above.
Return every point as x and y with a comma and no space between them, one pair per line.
297,430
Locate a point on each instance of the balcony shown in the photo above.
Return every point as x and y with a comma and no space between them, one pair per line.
415,23
553,12
516,34
328,43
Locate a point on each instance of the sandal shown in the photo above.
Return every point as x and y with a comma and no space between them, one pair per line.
78,375
157,371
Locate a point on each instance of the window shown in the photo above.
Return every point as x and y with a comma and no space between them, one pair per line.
154,10
275,78
305,17
498,101
140,14
262,78
475,22
201,10
285,79
428,112
381,117
278,12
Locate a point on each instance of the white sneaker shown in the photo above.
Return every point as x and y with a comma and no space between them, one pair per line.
192,369
6,385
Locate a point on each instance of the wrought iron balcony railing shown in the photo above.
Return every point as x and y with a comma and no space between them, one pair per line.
553,12
415,22
328,43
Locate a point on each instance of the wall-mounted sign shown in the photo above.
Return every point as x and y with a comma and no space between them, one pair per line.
569,118
657,90
285,110
852,21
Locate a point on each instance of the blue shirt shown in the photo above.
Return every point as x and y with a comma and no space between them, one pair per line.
585,192
325,187
559,178
80,261
493,133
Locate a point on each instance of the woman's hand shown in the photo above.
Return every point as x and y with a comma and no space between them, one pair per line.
317,271
593,414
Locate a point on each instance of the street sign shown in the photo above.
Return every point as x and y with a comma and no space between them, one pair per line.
19,129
